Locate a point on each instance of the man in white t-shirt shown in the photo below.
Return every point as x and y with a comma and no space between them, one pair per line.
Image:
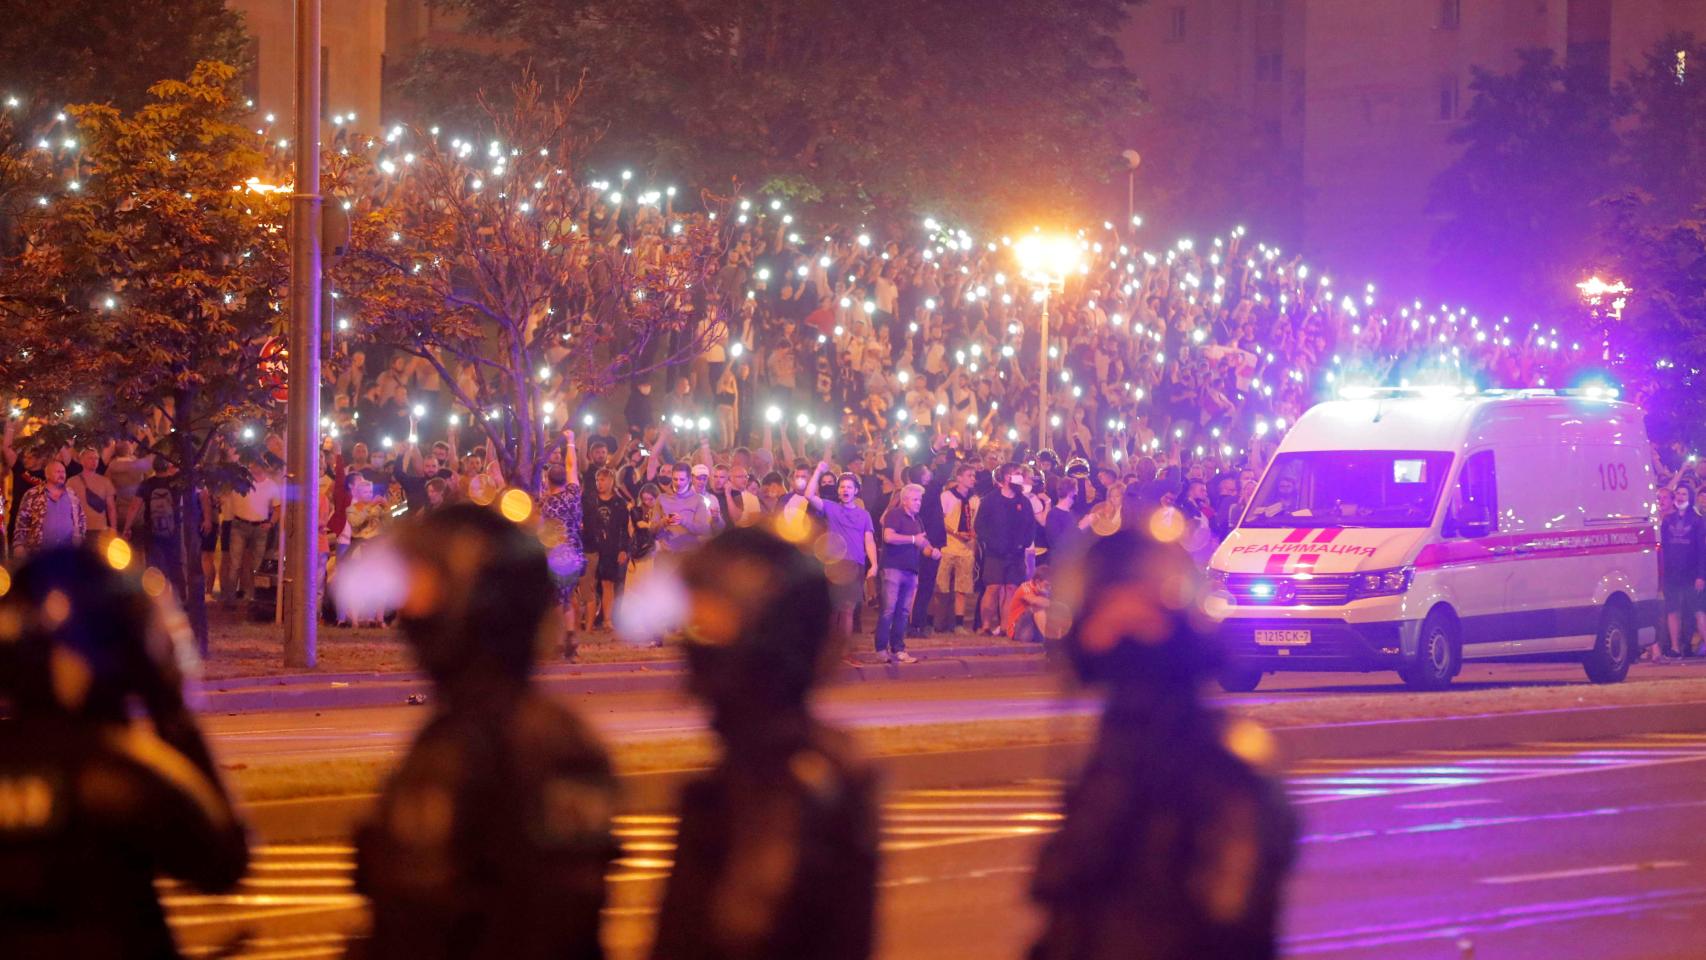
254,514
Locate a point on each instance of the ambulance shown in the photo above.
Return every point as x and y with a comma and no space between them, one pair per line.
1416,530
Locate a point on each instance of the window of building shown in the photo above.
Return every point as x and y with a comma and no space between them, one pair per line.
1450,14
1269,67
1449,97
1176,23
252,73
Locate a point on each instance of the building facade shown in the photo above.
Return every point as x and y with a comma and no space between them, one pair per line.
1362,95
352,59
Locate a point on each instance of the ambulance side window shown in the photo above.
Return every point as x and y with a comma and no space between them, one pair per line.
1476,511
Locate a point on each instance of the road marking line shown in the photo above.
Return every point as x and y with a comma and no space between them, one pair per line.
1517,778
1585,872
1445,804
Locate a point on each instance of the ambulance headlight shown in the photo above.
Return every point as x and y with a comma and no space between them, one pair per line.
1382,583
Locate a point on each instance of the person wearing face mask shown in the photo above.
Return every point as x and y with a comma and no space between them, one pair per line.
1682,553
776,858
1177,837
492,836
95,804
1006,526
854,543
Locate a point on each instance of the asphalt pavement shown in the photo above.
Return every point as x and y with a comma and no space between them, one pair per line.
1557,850
289,735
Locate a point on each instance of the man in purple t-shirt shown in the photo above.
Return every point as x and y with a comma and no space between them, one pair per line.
850,528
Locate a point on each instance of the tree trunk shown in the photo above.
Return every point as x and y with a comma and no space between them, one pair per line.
189,529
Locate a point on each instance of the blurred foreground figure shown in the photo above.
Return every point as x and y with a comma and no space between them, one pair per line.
1176,842
93,806
492,838
778,845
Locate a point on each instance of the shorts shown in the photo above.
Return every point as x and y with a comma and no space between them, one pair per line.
607,570
1003,571
847,586
566,568
955,567
1681,597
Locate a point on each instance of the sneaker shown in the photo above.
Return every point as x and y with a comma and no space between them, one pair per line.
902,657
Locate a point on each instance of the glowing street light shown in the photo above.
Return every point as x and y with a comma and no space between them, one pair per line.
1046,260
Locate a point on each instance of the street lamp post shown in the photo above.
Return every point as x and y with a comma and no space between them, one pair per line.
302,469
1046,261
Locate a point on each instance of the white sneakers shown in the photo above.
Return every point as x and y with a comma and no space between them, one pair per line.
902,657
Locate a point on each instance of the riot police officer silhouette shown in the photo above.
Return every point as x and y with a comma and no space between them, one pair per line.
492,837
1176,841
94,806
777,853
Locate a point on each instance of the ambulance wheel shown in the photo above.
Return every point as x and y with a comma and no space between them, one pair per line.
1239,679
1609,661
1437,654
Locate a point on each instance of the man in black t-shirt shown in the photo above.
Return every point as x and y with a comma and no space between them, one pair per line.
158,523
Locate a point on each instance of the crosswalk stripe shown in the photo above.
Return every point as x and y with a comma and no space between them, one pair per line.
291,880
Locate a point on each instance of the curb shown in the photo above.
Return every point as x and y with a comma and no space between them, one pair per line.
390,690
317,818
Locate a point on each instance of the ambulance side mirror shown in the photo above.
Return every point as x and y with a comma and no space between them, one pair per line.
1472,520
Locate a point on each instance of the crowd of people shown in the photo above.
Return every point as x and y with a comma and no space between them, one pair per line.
899,376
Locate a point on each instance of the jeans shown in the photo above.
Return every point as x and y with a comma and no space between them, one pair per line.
899,588
242,558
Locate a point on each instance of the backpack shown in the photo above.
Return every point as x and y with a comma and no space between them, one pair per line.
162,511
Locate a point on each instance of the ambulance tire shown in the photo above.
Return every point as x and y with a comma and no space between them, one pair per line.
1609,661
1438,656
1239,679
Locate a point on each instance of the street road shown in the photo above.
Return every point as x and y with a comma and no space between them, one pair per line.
1580,849
379,732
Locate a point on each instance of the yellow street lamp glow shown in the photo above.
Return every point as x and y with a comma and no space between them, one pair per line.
1050,258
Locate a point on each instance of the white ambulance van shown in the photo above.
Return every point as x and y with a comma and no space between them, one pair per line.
1414,530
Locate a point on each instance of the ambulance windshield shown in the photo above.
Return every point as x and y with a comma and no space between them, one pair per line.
1350,488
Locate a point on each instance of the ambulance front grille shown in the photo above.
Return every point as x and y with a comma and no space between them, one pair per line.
1318,590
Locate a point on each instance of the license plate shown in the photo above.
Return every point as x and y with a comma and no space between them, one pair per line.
1282,638
265,583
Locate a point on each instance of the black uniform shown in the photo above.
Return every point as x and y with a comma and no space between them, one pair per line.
777,854
94,806
1173,846
1176,842
492,838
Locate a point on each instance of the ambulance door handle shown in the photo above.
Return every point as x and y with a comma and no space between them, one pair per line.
1520,550
1503,550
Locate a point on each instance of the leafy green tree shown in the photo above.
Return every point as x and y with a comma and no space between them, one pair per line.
97,51
487,262
1659,342
1521,204
968,108
151,282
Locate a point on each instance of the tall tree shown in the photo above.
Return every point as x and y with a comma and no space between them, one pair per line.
1521,202
490,262
97,51
152,280
963,107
